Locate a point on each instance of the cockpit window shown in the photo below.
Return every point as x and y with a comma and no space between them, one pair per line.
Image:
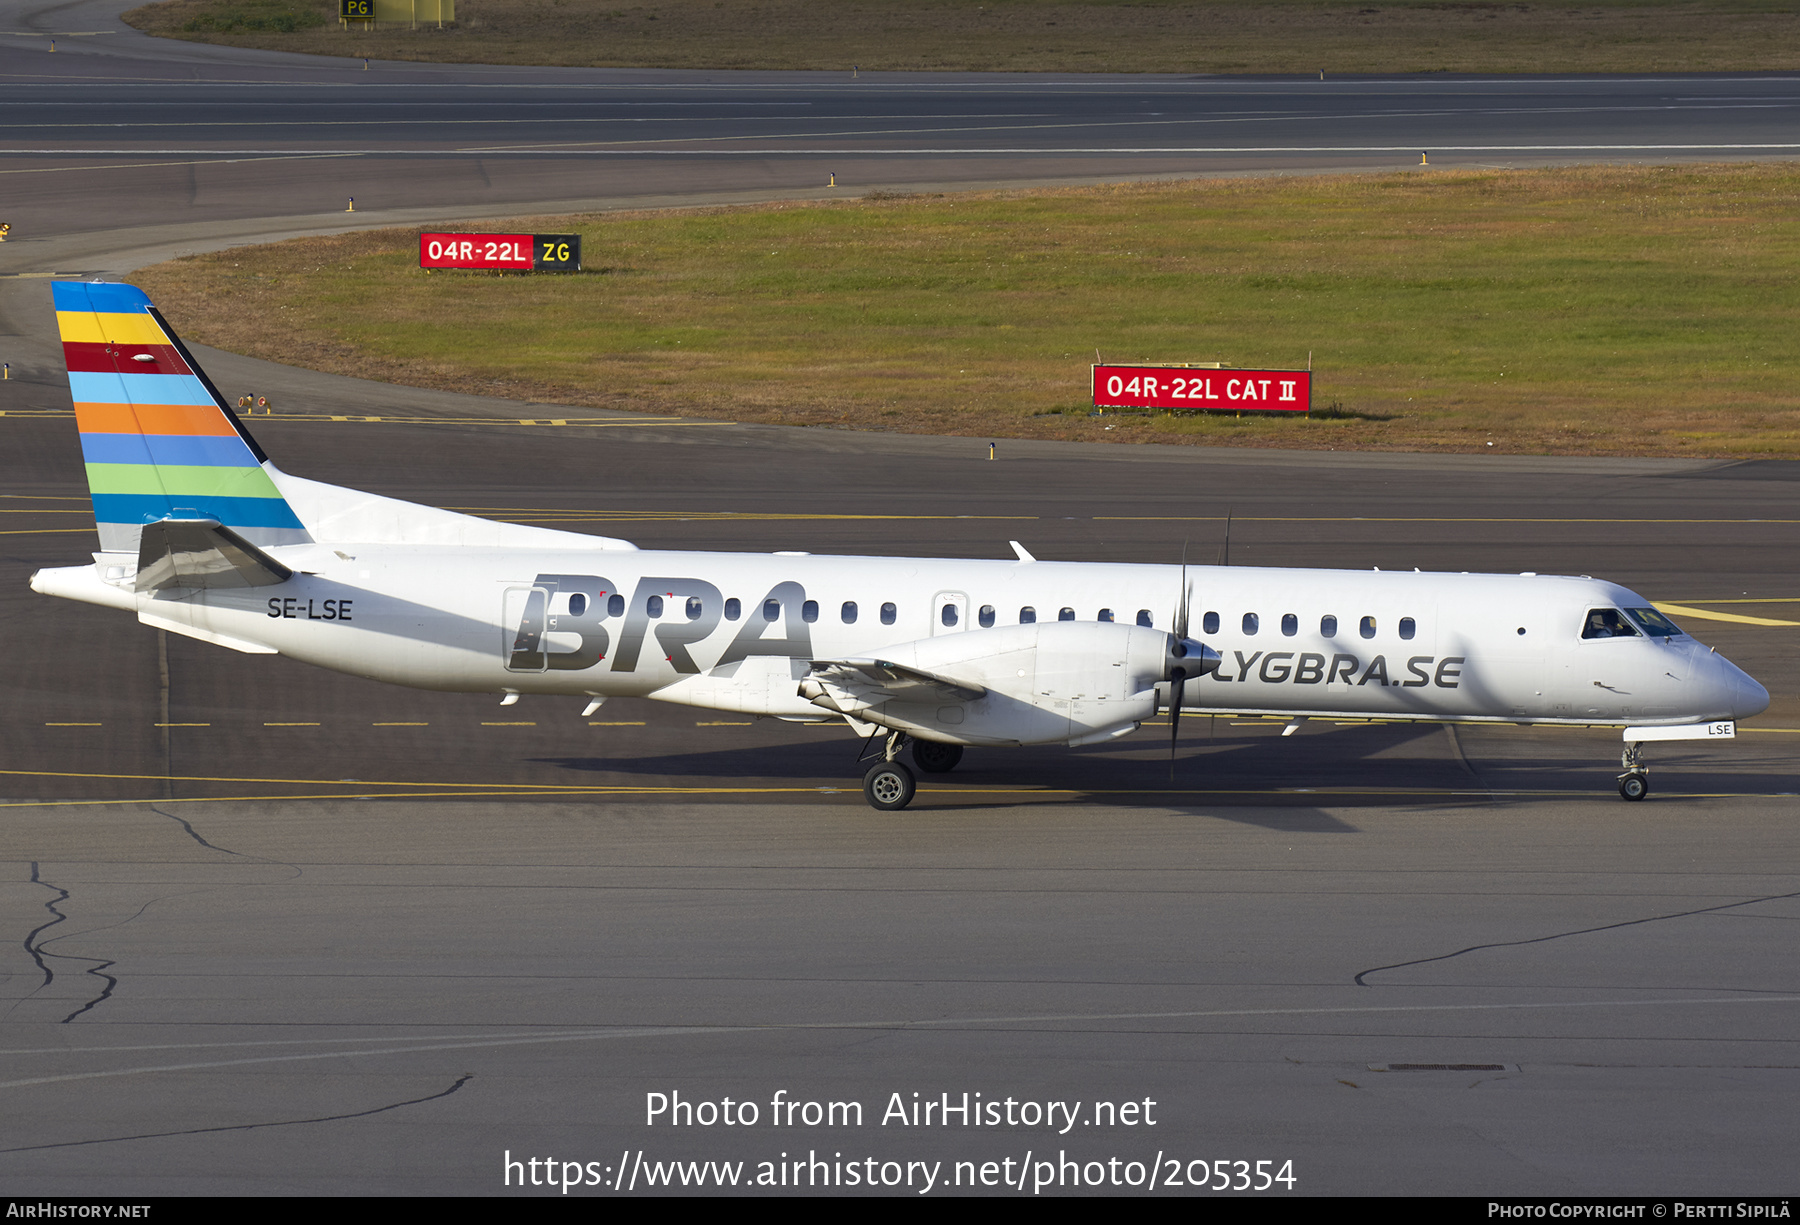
1653,623
1607,623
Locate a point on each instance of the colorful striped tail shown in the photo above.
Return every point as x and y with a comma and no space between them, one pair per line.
158,440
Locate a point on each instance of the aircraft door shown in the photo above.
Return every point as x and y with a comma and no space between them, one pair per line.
522,623
949,613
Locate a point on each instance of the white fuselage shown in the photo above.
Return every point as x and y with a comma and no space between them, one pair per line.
739,632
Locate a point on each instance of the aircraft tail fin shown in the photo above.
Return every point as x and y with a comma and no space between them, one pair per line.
158,440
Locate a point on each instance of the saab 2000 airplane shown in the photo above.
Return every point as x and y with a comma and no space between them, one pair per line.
201,535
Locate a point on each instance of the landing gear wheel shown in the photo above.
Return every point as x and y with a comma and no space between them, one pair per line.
889,786
1634,784
936,757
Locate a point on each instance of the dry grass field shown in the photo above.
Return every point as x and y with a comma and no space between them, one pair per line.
1596,310
1185,36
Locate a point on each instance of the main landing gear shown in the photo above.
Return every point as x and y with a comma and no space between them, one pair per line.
936,757
889,785
1634,784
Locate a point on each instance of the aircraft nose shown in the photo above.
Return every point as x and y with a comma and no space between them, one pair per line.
1729,687
1752,698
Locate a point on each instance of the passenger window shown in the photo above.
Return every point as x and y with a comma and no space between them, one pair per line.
615,605
948,616
809,611
1250,623
986,616
1290,625
771,610
848,612
1028,615
1106,614
1328,626
1210,623
694,608
1407,629
888,614
1067,614
1367,628
654,607
733,609
577,604
1607,623
1145,619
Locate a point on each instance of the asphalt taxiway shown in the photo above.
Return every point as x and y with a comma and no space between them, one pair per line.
118,128
280,931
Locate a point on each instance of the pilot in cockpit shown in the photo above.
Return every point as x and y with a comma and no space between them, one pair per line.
1607,623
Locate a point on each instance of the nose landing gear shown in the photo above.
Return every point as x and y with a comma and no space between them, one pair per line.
1634,784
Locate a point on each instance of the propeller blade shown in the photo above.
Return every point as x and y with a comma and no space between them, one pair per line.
1179,676
1174,720
1181,597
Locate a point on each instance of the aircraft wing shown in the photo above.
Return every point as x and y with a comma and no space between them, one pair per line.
850,685
202,553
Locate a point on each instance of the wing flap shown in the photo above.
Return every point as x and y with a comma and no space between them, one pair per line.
852,685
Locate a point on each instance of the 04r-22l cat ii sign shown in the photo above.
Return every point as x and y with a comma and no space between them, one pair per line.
200,534
1203,389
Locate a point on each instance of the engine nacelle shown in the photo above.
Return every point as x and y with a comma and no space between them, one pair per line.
1059,682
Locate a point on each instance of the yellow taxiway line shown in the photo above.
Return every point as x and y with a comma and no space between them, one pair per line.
1683,610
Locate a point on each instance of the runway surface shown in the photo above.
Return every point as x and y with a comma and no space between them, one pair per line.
279,931
116,127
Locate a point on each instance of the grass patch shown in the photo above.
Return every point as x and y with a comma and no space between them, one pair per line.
253,17
1211,36
1596,310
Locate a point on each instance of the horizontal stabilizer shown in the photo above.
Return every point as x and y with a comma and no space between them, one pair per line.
202,553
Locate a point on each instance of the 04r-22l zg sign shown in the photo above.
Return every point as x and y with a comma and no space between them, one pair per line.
502,252
1203,387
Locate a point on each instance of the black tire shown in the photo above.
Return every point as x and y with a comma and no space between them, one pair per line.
1634,786
936,757
889,786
